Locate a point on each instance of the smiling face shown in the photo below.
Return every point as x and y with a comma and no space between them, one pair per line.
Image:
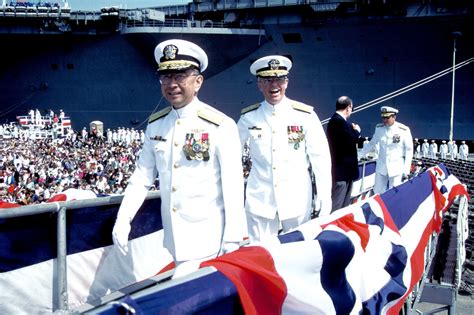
180,88
273,88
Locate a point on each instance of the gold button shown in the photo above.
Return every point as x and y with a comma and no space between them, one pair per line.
175,209
176,165
174,188
274,167
178,122
176,143
273,131
275,185
273,114
273,150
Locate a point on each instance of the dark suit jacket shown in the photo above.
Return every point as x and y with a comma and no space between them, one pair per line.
343,146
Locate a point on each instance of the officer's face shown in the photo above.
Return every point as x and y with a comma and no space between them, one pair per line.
388,121
180,88
273,88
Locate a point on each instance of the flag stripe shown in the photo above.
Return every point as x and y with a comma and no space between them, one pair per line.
337,251
253,272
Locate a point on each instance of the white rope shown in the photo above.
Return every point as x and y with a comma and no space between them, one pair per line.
406,88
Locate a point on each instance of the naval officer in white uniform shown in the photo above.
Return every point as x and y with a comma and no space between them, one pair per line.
285,138
196,151
395,150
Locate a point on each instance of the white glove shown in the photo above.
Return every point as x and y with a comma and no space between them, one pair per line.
229,247
120,234
324,206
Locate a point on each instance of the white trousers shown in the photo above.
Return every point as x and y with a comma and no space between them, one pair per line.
183,268
263,229
384,182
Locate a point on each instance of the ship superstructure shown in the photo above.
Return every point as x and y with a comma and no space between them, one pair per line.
99,65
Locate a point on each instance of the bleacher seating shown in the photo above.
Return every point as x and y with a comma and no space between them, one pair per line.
443,266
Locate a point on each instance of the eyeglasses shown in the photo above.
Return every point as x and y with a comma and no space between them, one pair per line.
268,80
179,78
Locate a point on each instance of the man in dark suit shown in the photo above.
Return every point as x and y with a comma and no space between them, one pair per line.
342,138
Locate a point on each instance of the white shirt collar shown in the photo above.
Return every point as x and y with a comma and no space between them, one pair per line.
281,106
188,110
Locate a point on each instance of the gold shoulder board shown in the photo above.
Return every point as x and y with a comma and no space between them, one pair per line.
303,107
379,125
402,126
249,108
159,114
211,116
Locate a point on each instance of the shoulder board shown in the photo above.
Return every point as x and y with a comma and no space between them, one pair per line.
379,125
402,126
160,114
303,107
249,108
211,116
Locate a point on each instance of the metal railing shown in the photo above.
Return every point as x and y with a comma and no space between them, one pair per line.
174,23
413,301
60,208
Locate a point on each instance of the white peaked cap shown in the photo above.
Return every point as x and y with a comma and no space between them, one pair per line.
386,111
179,54
271,66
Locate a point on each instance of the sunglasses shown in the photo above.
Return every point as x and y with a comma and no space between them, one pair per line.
269,80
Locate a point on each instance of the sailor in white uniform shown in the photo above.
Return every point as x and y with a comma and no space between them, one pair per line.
453,150
463,151
195,150
425,148
285,138
395,151
443,149
31,112
433,149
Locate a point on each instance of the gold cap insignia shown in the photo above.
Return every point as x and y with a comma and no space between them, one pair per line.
170,52
274,64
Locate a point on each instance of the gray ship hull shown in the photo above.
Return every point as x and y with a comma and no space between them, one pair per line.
111,77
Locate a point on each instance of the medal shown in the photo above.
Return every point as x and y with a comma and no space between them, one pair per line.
196,146
396,138
295,135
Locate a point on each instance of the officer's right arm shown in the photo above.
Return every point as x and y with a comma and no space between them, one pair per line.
372,145
136,192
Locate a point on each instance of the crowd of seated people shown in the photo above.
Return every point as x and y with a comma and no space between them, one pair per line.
32,171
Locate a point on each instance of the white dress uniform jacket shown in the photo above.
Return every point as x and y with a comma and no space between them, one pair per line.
443,150
395,149
284,139
453,150
425,149
463,151
433,150
202,195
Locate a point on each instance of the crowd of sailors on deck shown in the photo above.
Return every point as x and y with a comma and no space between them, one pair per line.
429,149
32,171
447,149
